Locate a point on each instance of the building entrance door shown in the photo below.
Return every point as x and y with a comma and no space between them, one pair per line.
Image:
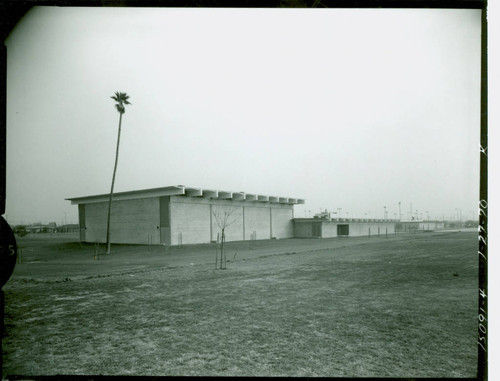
82,234
343,229
165,236
316,229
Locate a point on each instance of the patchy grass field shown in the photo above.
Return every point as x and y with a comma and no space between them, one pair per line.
358,307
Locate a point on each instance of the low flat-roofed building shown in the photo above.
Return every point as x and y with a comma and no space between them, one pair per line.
341,227
356,227
176,215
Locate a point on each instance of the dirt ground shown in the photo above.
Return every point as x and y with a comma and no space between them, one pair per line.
402,306
59,257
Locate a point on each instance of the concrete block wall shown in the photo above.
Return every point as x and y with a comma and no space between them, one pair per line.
302,230
431,225
186,220
132,221
258,220
194,218
282,225
357,229
190,223
329,230
363,229
94,222
234,228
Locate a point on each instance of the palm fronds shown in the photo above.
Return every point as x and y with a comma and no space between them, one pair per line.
122,100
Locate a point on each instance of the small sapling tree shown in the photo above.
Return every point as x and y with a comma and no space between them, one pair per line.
224,218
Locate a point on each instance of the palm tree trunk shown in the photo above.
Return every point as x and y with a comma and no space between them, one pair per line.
113,184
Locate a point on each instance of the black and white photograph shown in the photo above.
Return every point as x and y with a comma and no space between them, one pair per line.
279,192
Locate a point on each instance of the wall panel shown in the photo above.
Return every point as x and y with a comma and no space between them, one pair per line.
234,230
132,221
190,223
282,222
257,220
329,230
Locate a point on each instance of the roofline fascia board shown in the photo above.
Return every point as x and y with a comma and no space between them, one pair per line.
193,192
154,192
250,197
225,195
239,196
181,190
207,193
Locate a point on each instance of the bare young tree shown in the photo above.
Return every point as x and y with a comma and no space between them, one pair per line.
224,217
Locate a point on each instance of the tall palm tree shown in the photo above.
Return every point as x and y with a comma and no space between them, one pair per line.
121,100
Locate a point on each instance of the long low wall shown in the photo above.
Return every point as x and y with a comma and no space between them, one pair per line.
411,226
322,228
175,220
198,220
132,221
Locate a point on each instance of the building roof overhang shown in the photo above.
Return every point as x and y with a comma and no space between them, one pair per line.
181,190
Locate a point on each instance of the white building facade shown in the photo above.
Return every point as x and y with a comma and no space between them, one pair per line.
181,215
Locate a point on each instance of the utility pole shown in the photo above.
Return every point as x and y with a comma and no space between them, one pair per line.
399,210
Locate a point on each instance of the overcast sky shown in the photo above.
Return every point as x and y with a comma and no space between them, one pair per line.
346,108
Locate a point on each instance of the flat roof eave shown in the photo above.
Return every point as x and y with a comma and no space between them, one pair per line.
181,190
153,192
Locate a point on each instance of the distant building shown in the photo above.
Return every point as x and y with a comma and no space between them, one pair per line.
419,225
68,228
326,214
40,228
323,226
180,215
